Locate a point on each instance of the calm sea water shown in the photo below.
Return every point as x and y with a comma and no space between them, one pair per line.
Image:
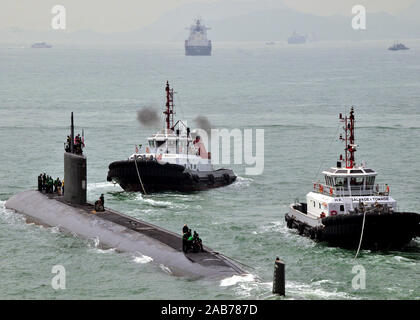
294,93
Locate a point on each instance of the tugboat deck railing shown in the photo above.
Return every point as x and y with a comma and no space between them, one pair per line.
377,190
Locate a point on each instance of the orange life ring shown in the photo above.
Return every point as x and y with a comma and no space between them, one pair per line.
331,191
321,188
333,213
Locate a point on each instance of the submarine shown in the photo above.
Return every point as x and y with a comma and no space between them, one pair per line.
71,213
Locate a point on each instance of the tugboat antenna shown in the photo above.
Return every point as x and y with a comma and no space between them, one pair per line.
350,148
169,112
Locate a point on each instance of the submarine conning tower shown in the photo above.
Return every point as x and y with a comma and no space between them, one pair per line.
75,172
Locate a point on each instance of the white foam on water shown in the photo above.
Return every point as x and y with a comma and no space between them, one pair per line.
241,182
110,250
165,269
55,229
99,185
314,291
252,289
404,260
237,279
92,242
154,203
10,216
142,259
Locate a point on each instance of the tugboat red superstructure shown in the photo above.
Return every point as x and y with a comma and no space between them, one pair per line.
172,160
349,209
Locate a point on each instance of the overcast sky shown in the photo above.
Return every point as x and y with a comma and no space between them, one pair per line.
126,15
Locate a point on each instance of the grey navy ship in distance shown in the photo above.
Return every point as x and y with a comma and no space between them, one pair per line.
41,45
296,38
197,43
397,47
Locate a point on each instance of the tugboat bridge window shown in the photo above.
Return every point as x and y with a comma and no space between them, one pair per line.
357,181
370,181
159,143
341,182
329,181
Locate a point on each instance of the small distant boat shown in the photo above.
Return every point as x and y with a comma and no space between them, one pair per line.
397,47
41,45
270,43
296,38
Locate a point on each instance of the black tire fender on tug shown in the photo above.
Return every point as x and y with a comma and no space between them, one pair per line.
301,228
226,177
196,178
188,176
211,178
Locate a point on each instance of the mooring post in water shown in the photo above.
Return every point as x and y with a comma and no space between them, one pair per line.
279,280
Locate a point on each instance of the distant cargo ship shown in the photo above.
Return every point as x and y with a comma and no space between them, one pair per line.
197,43
398,46
296,39
41,45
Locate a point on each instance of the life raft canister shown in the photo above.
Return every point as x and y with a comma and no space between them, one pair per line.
333,213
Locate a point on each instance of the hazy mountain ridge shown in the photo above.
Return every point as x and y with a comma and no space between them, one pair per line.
249,23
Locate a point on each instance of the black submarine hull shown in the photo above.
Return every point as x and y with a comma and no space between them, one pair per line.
158,177
115,230
382,231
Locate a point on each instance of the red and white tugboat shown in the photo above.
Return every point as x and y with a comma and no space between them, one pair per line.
172,160
348,209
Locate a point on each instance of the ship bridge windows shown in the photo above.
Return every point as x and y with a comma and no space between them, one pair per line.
329,181
341,171
370,181
356,181
159,143
340,182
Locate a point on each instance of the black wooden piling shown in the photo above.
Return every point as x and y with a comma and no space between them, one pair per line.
279,280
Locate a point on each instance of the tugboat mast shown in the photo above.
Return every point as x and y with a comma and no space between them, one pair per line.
350,148
169,112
